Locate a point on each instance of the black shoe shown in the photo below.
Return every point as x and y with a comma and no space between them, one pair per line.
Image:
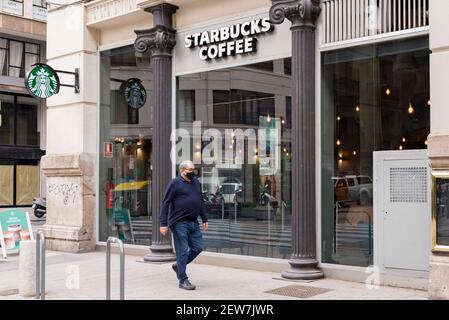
175,267
186,285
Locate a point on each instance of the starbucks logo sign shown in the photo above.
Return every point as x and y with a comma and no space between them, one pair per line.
134,93
42,81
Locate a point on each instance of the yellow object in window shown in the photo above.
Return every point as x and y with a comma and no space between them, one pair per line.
127,186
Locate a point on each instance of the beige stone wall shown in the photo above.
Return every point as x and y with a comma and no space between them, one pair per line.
190,13
72,138
22,27
439,137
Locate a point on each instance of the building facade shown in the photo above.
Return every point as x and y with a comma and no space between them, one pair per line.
22,117
352,88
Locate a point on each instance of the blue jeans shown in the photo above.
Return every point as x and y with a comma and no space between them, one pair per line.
188,244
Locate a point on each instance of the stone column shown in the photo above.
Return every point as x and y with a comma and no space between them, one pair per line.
160,41
303,15
438,140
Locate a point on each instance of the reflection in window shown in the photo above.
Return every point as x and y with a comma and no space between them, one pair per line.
249,203
125,177
374,98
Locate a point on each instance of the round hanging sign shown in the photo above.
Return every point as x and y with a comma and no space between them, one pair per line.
134,93
42,81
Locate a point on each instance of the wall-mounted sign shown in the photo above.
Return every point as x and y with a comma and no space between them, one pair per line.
108,150
229,41
42,81
134,93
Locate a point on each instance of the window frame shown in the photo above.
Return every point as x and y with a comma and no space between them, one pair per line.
22,68
15,145
436,248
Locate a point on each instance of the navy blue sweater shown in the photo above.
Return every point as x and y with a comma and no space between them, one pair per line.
182,200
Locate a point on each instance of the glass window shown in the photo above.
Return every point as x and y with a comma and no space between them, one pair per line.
125,178
31,55
16,57
7,122
374,98
441,214
364,180
27,134
247,190
3,56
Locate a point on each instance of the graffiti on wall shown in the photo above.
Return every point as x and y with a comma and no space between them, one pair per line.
68,191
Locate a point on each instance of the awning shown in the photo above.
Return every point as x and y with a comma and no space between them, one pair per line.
127,186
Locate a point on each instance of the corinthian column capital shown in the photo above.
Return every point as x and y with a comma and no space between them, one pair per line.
302,13
159,40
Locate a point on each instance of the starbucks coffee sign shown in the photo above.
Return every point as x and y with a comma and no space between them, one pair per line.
134,93
42,81
227,41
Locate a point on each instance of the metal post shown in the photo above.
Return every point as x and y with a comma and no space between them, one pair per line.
108,268
282,213
335,227
269,222
40,265
235,212
222,210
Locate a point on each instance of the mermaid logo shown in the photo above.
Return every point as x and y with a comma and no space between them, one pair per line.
42,81
135,94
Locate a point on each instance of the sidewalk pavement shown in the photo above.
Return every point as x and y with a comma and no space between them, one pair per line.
148,281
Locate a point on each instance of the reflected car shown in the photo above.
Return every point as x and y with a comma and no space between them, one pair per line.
229,189
354,189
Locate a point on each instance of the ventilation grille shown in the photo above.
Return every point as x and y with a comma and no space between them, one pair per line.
351,19
408,184
298,291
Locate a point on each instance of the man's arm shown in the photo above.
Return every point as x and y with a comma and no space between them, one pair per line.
203,210
166,201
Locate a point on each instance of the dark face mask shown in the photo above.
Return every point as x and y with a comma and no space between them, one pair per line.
190,175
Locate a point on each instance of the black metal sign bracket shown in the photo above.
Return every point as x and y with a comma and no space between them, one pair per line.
77,79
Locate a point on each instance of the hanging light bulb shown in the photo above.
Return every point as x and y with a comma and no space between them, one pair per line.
338,118
410,109
357,109
354,152
283,121
404,140
338,142
401,147
268,119
429,103
388,91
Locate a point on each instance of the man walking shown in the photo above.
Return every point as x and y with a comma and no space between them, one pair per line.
181,206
